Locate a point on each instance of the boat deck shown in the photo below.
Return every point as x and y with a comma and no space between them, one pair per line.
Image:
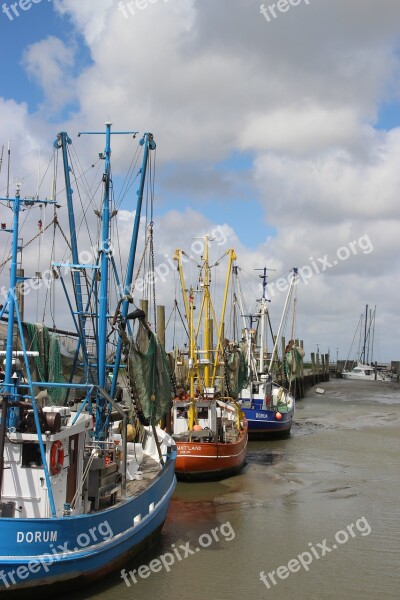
150,469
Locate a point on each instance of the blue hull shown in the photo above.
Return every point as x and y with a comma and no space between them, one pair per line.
263,422
42,552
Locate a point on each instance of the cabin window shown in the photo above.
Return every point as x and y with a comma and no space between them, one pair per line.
181,413
31,456
202,412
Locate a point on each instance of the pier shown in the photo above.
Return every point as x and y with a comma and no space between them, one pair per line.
311,373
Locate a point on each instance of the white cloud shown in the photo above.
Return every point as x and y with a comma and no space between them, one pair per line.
302,94
49,63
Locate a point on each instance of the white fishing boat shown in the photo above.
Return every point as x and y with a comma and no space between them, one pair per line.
268,406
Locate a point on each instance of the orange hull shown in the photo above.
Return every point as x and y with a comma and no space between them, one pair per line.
209,460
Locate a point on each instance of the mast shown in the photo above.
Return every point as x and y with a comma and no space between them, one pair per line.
62,142
11,421
373,334
104,264
105,255
251,367
232,258
11,397
263,312
292,283
365,335
149,144
206,330
192,343
8,170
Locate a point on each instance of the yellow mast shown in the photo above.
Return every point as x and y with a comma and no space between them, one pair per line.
178,257
192,348
232,257
189,310
209,362
207,328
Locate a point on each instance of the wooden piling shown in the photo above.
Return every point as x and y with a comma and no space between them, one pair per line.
161,324
318,368
314,372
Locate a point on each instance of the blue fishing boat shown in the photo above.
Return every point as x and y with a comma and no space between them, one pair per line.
268,406
86,476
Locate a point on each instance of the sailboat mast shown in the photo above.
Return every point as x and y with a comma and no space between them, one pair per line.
373,333
365,336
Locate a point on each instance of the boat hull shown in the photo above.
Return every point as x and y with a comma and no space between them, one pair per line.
355,377
209,460
263,422
44,552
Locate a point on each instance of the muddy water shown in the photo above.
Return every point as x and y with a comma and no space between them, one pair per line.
318,514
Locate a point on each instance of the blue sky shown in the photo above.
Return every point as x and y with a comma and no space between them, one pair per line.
286,132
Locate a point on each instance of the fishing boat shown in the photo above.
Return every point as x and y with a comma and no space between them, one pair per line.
269,407
208,426
364,369
74,504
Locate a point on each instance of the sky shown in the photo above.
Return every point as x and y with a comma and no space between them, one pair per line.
279,127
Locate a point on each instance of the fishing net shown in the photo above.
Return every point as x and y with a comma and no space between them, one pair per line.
149,376
293,363
48,363
235,370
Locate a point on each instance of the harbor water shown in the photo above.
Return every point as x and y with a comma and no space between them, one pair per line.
316,515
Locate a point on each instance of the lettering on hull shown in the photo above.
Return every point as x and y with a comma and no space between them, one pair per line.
36,536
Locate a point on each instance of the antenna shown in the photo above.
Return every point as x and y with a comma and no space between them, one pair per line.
1,157
8,169
264,281
38,181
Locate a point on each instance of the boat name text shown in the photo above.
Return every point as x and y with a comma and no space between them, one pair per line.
36,536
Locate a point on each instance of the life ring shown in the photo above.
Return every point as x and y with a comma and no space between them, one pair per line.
56,457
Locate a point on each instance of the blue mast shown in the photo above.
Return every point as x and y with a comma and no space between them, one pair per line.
104,258
12,378
149,144
104,252
62,141
12,415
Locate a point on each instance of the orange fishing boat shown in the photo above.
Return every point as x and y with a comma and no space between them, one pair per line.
215,447
208,426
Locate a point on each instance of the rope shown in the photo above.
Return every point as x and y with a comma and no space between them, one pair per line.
153,278
62,233
30,241
140,265
85,474
293,318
